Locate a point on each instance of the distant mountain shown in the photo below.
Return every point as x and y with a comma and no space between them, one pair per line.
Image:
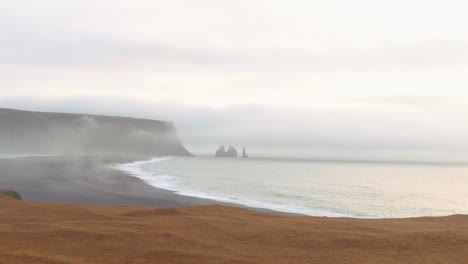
60,133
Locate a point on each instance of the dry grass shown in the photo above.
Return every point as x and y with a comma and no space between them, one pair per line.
9,194
64,234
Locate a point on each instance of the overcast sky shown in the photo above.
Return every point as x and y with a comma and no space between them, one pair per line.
323,76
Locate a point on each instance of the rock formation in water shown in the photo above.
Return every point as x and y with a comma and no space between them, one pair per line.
222,152
231,152
244,153
81,134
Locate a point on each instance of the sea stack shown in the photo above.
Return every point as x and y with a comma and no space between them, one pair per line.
230,153
221,152
244,153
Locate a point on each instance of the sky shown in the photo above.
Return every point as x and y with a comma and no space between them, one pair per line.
324,78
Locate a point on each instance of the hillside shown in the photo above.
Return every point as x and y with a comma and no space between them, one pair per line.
60,133
9,194
75,234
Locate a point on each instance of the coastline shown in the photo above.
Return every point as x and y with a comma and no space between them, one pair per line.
133,169
91,180
77,210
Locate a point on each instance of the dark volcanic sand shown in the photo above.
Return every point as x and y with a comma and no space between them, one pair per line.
77,233
84,180
88,180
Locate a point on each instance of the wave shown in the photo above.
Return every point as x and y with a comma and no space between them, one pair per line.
172,183
155,179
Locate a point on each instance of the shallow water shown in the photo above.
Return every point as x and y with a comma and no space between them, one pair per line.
320,188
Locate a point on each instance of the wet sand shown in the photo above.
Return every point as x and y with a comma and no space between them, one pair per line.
88,180
84,180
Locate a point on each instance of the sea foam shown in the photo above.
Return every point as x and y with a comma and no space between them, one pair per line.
159,180
173,183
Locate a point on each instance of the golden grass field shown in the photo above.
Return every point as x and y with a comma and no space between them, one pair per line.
66,233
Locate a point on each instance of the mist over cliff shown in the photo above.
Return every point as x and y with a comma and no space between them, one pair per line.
410,128
60,133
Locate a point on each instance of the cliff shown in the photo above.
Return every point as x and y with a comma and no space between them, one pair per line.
59,133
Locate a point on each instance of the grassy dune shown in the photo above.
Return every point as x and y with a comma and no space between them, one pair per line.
62,233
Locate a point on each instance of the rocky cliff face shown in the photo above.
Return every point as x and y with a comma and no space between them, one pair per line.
59,133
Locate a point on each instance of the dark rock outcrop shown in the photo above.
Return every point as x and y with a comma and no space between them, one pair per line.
244,153
230,153
10,194
221,152
80,134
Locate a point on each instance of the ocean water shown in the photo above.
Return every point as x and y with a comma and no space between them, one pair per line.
12,156
318,188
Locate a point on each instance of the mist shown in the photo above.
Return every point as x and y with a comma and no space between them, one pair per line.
73,134
398,128
321,78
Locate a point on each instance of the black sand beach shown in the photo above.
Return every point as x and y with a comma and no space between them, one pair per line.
89,180
84,180
76,223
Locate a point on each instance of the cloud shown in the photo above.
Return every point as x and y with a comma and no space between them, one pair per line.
302,74
208,36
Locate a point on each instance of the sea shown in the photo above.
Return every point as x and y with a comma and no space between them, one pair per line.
12,156
333,188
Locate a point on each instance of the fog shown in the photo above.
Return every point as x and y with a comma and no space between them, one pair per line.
57,133
223,53
84,181
410,128
307,78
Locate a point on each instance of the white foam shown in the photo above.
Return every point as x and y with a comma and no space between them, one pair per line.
264,205
172,183
155,179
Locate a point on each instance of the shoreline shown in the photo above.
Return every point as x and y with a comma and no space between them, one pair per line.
133,169
150,177
84,212
92,180
95,180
